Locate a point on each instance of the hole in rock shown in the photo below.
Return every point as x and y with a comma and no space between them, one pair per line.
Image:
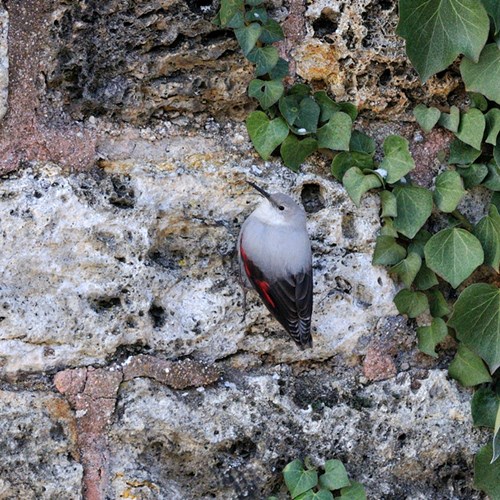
158,315
101,304
311,198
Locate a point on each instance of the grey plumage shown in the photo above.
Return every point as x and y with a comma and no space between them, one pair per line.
275,259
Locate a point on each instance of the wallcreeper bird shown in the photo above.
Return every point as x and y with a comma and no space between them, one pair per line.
275,256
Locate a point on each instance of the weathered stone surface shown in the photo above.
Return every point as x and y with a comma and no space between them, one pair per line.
4,61
232,440
39,458
144,254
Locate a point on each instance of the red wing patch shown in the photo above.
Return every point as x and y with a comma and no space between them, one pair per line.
263,286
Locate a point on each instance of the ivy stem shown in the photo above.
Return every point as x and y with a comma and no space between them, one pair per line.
462,219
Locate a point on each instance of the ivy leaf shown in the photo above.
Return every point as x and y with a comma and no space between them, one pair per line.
289,107
357,184
493,9
300,89
335,476
253,3
354,492
426,117
450,121
473,175
486,474
388,229
408,268
478,101
492,124
397,160
485,405
267,92
411,303
496,438
414,206
297,479
315,495
461,153
308,116
492,180
436,32
425,278
389,204
438,305
230,10
328,106
453,254
387,252
484,76
265,58
257,14
476,319
487,231
349,108
430,336
247,37
472,127
449,191
280,70
345,160
294,152
266,135
418,243
271,32
468,368
336,134
361,143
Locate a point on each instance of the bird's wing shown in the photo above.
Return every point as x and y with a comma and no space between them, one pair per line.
288,299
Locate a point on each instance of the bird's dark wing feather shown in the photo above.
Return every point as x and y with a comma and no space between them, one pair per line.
289,300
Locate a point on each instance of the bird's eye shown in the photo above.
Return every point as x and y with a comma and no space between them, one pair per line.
281,207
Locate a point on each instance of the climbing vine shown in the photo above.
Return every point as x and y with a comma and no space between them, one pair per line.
426,241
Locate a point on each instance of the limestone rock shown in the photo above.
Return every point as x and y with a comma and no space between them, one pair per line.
4,61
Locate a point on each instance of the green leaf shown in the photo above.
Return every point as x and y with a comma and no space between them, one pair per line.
300,89
487,231
354,492
336,134
289,107
345,160
425,278
476,319
438,305
335,476
387,252
496,154
449,191
349,109
430,336
327,105
426,117
357,184
271,32
478,101
230,11
473,175
461,153
280,70
299,480
492,124
265,59
450,121
484,76
294,152
308,116
419,241
495,199
493,9
257,14
492,180
408,268
389,204
388,228
485,405
247,37
453,254
411,303
397,160
267,92
436,32
496,438
266,135
486,474
253,3
414,206
361,143
315,495
472,127
468,368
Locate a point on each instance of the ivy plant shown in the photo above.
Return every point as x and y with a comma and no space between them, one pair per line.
305,482
425,240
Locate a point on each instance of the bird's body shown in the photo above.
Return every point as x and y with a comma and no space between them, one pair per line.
275,258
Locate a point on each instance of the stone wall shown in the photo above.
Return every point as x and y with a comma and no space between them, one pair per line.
127,368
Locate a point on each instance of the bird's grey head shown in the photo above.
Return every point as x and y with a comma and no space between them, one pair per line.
278,209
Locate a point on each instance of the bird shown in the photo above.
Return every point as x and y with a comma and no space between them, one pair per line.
275,258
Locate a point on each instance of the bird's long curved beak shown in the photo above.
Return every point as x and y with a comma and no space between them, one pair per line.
260,190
